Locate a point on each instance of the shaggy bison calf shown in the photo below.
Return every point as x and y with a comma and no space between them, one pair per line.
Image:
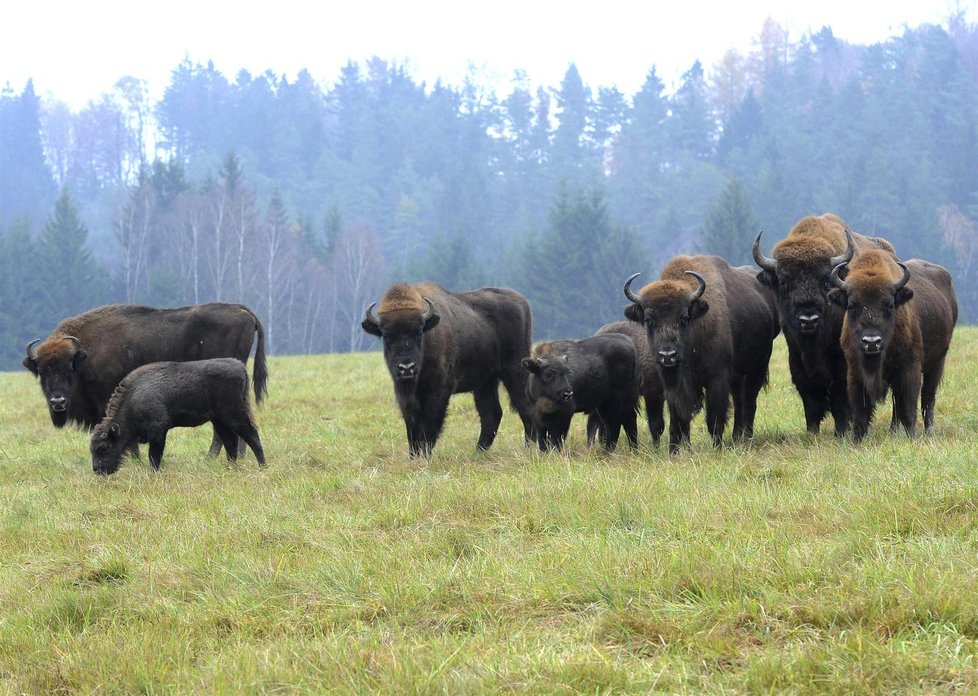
595,376
156,397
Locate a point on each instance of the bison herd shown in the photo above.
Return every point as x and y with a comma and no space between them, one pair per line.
858,323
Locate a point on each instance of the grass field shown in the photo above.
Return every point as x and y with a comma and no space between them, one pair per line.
797,564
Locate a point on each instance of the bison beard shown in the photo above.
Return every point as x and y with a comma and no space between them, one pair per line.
438,343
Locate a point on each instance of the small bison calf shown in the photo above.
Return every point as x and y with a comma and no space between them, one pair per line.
595,376
156,397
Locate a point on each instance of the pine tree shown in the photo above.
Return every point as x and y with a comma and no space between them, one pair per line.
74,282
730,226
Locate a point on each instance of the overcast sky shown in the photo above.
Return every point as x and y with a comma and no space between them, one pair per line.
75,50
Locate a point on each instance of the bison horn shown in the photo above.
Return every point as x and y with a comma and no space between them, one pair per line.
369,316
30,349
628,289
760,259
75,341
905,279
428,312
847,255
837,281
698,292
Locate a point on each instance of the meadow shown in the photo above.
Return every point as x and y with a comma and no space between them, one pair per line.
794,564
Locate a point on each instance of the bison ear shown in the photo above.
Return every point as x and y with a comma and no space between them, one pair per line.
30,364
114,431
836,296
902,295
698,308
79,357
768,279
431,322
371,327
531,365
635,312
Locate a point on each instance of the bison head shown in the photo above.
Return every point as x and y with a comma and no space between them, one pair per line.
549,384
107,448
667,308
56,364
401,329
870,297
799,276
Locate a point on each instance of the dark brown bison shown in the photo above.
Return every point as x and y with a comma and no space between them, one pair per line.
711,329
799,274
438,343
85,358
649,385
596,376
154,398
899,318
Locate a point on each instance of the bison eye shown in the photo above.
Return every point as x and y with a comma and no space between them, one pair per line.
684,319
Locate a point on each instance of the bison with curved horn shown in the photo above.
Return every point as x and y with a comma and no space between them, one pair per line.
798,272
899,318
86,356
710,328
438,343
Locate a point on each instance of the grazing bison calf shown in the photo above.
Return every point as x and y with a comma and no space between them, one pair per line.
439,343
596,376
156,397
649,384
710,328
898,322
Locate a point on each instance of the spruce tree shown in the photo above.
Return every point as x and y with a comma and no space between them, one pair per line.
730,226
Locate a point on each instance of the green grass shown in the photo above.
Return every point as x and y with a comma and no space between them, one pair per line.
797,564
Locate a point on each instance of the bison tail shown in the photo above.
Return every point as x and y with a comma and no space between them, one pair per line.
260,373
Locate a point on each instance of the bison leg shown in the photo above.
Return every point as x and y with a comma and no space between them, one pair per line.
156,447
862,410
229,439
215,445
749,389
490,412
839,398
247,433
678,430
906,393
514,380
654,402
612,429
928,395
594,428
424,426
717,406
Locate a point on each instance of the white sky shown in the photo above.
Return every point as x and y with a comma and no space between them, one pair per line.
76,49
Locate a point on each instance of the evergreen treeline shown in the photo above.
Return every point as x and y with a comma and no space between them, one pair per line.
305,200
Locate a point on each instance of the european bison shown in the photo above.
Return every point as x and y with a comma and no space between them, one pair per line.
799,274
154,398
899,318
711,329
85,358
438,343
596,375
649,384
